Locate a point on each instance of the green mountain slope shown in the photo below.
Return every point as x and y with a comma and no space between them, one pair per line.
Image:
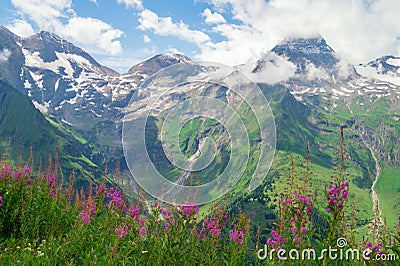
22,126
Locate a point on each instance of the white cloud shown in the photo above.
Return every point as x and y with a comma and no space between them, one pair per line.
313,72
93,33
21,28
273,69
146,38
44,12
164,26
357,31
212,18
58,16
93,1
4,55
173,50
132,3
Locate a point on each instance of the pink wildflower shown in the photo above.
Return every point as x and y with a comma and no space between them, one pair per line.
143,232
121,231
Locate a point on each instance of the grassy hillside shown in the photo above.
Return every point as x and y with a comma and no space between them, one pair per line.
23,126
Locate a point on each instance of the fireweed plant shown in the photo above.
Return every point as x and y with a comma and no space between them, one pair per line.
297,228
44,221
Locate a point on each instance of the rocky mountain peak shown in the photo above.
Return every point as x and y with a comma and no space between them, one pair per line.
154,64
301,51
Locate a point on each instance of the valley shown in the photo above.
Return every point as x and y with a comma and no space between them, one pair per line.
83,105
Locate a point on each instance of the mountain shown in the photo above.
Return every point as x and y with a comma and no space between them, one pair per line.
386,68
315,93
23,126
303,51
366,101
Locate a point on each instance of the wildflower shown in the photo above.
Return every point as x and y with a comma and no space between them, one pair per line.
1,201
143,231
296,239
271,242
100,190
27,169
303,229
369,245
303,199
133,212
294,229
121,231
115,197
237,236
276,236
190,209
200,235
17,175
90,208
7,170
345,194
378,249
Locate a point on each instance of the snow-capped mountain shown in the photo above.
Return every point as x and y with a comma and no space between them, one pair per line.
386,68
65,81
311,67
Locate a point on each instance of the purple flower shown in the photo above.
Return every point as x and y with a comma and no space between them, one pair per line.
190,209
1,201
378,249
143,231
296,239
345,194
237,236
303,229
303,199
271,241
17,175
294,229
7,170
200,235
100,190
121,232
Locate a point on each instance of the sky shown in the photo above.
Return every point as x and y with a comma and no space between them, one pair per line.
121,33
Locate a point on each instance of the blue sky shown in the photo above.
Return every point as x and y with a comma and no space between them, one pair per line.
121,33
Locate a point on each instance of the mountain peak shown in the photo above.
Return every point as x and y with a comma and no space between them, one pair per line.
302,51
155,63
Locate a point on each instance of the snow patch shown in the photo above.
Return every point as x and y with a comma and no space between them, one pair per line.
394,61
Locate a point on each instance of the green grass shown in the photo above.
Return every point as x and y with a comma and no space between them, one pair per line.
388,189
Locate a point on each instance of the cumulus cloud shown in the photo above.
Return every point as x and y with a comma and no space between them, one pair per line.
164,26
173,50
358,30
4,55
132,3
59,17
21,28
93,33
270,69
45,12
213,18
